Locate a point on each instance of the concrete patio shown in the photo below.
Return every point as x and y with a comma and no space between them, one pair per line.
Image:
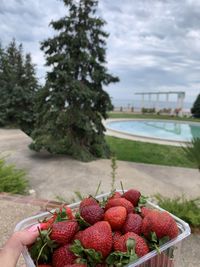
52,176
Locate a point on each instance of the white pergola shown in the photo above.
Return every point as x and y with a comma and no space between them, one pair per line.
180,98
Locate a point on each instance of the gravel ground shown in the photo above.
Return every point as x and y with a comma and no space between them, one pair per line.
10,214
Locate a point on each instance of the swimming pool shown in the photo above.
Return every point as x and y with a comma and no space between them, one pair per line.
164,130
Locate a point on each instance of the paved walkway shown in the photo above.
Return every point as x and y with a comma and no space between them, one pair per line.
52,176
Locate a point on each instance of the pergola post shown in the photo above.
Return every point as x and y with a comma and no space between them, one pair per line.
157,100
142,100
150,100
167,100
180,98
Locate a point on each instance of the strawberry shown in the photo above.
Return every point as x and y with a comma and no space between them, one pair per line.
116,217
68,211
47,223
144,211
120,202
63,256
115,195
133,196
98,237
63,232
88,202
62,214
78,235
92,214
133,223
161,223
44,265
116,236
141,247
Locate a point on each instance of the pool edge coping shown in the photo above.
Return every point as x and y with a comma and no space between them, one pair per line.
133,137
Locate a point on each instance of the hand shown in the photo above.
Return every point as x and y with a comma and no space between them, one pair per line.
10,253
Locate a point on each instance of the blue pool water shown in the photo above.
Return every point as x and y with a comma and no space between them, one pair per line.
174,131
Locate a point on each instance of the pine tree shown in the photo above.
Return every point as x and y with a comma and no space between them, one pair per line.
73,103
17,87
196,107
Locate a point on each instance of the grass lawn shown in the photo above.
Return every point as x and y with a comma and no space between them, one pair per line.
142,152
145,152
113,115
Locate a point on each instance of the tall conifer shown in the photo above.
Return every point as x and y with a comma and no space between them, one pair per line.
18,85
73,102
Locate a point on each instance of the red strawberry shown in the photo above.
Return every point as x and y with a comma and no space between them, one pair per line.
47,223
88,202
141,247
116,236
120,202
63,232
63,256
160,222
77,236
44,265
92,214
133,223
133,196
69,214
116,217
115,195
98,237
145,211
62,212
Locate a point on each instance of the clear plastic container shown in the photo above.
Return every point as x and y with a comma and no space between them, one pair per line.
169,252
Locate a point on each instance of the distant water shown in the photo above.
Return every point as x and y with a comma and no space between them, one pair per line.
137,104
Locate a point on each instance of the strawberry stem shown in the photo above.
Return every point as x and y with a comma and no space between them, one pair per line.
40,252
122,187
97,191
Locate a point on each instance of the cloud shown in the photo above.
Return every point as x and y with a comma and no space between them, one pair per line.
153,44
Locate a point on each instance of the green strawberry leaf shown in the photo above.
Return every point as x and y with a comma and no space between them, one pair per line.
93,256
130,244
142,200
77,248
61,215
89,256
119,258
163,240
153,237
82,223
42,249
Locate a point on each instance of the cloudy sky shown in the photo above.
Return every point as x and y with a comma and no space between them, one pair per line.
153,44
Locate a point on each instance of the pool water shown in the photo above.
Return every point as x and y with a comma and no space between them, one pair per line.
166,130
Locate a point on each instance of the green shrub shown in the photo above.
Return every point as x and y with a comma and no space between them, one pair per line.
11,179
195,110
187,210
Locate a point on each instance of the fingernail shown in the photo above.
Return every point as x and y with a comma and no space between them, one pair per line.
34,228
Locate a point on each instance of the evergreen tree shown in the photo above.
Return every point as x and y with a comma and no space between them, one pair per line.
17,87
73,103
196,107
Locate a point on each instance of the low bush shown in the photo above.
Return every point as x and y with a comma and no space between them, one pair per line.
187,210
12,180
